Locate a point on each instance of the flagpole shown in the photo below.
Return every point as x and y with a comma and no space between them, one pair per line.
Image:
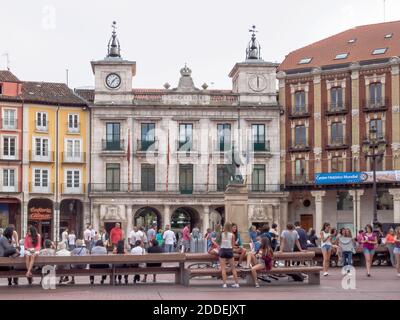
129,160
168,151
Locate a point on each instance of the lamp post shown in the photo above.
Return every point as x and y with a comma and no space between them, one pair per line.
374,148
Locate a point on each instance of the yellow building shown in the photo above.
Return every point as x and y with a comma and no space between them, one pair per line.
55,159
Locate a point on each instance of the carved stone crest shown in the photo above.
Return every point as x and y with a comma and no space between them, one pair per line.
258,214
112,213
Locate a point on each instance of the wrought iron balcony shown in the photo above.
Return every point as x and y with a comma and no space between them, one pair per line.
372,105
147,145
300,111
113,145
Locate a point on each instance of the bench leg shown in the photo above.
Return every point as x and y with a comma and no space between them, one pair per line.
112,280
314,278
186,278
249,280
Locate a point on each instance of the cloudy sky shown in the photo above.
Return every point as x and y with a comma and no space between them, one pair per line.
44,38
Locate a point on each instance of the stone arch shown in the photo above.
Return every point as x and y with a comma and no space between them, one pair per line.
146,217
183,215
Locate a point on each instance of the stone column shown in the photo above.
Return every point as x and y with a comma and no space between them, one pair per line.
167,216
356,194
319,207
281,76
56,221
355,112
24,218
206,218
283,214
396,204
129,219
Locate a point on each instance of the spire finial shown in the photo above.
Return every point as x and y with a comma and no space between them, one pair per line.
114,49
253,51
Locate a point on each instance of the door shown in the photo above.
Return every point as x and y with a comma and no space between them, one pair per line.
186,178
306,221
113,177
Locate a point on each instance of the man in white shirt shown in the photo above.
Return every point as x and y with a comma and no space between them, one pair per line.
71,240
87,236
64,236
169,239
134,236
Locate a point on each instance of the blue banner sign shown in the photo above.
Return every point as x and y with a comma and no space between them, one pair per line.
357,177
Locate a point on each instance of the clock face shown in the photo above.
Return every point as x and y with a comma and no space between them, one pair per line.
113,80
257,82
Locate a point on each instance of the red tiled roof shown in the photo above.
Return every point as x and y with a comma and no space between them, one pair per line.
367,38
7,76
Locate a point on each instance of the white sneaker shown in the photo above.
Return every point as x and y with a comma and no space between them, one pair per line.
236,285
326,274
224,285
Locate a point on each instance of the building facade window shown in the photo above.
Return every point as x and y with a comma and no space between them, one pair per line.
300,101
223,177
73,180
258,131
9,119
375,94
73,147
113,136
42,148
185,142
41,180
224,137
300,170
113,177
8,179
337,133
258,178
344,201
300,136
148,177
147,135
385,200
336,99
9,147
186,178
42,121
337,164
377,126
73,123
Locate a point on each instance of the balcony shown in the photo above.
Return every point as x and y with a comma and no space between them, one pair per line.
78,157
113,147
73,129
10,189
15,156
261,146
376,105
300,147
185,146
337,143
47,157
41,189
173,188
73,188
42,126
335,109
301,111
298,179
147,146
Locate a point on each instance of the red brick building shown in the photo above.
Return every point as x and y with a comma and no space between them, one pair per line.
10,150
334,92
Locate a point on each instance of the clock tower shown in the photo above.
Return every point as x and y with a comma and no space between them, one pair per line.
254,79
113,75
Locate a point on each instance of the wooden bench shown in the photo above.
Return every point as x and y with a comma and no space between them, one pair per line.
358,257
19,269
312,271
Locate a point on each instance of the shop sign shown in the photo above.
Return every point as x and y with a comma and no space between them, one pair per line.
357,177
40,214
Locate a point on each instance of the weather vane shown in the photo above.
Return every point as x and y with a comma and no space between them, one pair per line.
114,26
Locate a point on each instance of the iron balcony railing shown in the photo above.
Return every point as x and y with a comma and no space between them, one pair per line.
147,145
7,155
45,157
298,179
73,188
77,157
335,108
113,145
185,145
174,188
42,126
300,111
376,104
337,142
48,188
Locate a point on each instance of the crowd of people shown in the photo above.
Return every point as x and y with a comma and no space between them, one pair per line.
223,241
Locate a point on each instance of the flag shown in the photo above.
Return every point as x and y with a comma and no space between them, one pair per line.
128,158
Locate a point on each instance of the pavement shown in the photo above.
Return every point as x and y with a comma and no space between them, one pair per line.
384,284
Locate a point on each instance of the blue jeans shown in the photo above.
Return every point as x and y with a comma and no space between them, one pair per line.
169,248
347,258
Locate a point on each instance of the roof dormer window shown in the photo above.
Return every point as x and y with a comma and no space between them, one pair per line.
342,56
379,51
305,61
389,36
352,41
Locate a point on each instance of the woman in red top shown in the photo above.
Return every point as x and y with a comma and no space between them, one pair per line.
264,259
32,248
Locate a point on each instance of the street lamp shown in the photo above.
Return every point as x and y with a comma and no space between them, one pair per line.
374,148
